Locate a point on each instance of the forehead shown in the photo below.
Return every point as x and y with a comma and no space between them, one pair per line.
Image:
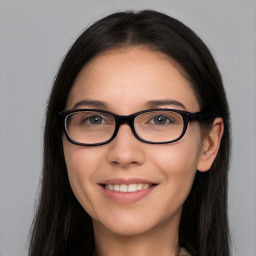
128,77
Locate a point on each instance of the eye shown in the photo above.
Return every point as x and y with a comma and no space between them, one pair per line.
93,120
162,120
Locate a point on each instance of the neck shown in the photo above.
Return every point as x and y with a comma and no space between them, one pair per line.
159,241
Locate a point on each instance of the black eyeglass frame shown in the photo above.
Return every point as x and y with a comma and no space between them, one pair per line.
129,119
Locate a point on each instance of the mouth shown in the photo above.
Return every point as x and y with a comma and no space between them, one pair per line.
126,191
134,187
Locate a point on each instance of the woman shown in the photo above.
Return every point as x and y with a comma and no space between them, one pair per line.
136,145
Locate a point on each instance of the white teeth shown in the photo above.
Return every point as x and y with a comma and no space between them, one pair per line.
123,188
132,188
128,188
140,186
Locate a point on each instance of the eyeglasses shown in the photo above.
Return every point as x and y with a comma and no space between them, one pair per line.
92,127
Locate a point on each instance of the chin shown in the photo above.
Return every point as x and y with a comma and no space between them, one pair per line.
137,224
125,225
128,230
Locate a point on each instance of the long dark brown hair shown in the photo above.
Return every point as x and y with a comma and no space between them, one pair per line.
61,226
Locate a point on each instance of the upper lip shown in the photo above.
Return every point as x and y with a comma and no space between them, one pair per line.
126,181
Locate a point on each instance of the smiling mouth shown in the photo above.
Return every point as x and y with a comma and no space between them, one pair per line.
126,192
127,187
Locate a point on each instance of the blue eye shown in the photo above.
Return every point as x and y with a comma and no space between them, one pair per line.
162,120
96,120
91,120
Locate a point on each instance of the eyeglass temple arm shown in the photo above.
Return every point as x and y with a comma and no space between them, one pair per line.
206,117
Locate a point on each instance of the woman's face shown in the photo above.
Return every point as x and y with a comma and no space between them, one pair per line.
125,81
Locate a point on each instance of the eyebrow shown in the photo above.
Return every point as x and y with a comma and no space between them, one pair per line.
149,104
90,103
159,103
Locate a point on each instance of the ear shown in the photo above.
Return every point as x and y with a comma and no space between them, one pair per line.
210,146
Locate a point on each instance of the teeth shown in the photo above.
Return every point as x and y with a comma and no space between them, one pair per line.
123,188
145,186
132,187
140,186
110,187
127,188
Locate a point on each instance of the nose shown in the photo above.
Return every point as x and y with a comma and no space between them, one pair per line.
125,149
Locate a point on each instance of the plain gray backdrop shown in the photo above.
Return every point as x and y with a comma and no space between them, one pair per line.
34,37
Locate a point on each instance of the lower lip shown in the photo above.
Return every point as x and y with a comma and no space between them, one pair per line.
126,197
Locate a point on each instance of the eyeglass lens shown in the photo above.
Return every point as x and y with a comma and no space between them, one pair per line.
91,127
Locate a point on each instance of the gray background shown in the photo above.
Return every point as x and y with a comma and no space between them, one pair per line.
35,35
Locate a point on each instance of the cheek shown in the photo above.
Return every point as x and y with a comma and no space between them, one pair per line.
79,161
82,166
178,165
176,159
179,158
